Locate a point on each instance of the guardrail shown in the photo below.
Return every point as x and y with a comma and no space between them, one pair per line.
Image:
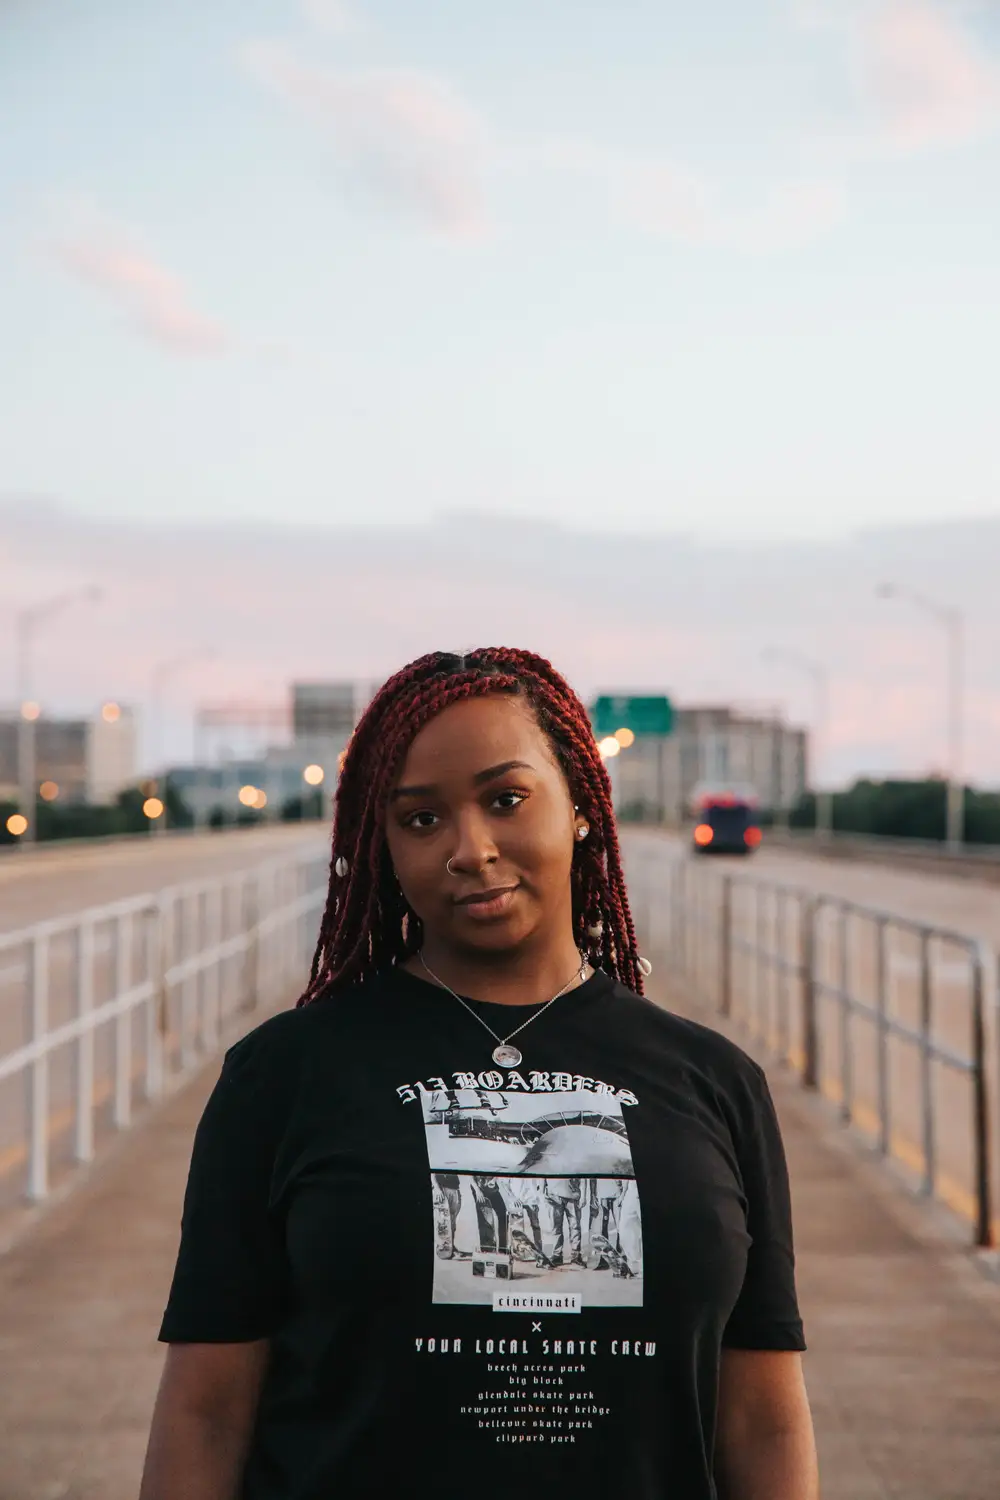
974,861
118,1004
152,837
895,1020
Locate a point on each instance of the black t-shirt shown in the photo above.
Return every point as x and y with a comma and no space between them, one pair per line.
479,1280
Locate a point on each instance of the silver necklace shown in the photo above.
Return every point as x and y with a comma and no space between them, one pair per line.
503,1054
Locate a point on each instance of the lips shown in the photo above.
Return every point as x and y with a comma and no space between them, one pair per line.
485,904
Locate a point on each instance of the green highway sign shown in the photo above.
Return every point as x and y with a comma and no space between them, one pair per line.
644,716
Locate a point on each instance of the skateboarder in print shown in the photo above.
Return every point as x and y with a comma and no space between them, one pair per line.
447,1205
563,1196
630,1226
525,1225
603,1194
491,1212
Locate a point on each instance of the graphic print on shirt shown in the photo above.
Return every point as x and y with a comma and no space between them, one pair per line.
532,1194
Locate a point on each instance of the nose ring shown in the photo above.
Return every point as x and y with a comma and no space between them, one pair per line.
448,867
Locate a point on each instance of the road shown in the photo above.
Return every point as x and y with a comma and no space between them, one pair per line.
967,906
42,883
959,903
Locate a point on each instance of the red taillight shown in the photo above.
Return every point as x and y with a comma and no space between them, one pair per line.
752,837
703,834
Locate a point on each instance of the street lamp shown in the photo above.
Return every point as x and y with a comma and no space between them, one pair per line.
821,683
953,622
26,622
158,679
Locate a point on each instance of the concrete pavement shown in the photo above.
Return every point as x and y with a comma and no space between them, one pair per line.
904,1329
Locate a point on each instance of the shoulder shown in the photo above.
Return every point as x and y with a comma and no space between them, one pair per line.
265,1072
278,1046
692,1043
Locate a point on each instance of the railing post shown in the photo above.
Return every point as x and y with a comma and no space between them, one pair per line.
726,946
981,1109
682,915
211,931
201,972
758,1018
810,1027
123,1022
882,1040
84,1135
926,1067
781,973
188,1021
844,1002
250,999
38,1121
156,1022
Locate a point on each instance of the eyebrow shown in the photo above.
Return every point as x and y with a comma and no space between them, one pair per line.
480,779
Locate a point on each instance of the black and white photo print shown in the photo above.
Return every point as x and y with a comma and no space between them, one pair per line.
534,1196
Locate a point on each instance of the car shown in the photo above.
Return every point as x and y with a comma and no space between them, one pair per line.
726,824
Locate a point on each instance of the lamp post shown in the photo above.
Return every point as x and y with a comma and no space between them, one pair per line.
820,677
952,620
26,623
158,679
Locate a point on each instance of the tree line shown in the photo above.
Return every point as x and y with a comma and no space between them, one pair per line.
904,809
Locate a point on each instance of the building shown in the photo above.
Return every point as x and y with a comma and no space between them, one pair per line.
215,790
655,778
77,760
112,753
322,720
722,745
326,710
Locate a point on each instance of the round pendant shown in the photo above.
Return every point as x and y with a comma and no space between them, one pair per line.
506,1056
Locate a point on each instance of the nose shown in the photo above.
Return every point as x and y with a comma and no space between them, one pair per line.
474,848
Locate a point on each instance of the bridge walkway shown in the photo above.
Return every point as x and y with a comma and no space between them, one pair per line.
903,1325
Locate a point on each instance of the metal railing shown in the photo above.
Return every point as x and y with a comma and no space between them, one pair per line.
114,1006
886,1016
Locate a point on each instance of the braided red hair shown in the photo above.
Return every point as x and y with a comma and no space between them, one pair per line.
367,923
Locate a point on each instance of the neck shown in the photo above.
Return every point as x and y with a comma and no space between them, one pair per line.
515,978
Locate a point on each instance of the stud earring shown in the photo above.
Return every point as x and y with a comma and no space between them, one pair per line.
582,829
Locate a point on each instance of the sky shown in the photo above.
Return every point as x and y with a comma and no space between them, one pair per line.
729,270
239,612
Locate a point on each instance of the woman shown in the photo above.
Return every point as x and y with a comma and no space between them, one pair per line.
477,939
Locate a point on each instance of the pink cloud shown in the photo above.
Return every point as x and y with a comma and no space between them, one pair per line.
401,133
663,197
928,76
153,298
918,64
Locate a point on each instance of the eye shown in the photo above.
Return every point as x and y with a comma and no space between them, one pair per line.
509,800
420,819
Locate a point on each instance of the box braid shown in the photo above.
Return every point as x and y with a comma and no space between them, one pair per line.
367,923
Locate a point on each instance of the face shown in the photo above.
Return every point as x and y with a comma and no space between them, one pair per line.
480,787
